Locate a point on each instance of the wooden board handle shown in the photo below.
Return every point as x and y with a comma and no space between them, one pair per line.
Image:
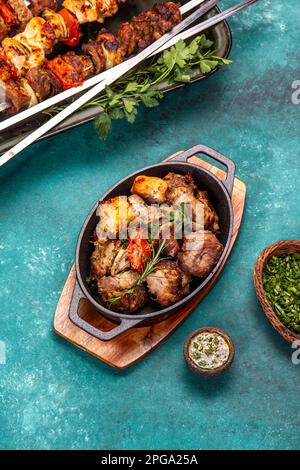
219,157
92,330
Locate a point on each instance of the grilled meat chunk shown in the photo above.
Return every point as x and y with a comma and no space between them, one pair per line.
103,257
127,38
92,10
121,292
183,190
97,55
112,50
81,63
43,82
114,215
121,262
22,11
4,29
150,188
168,284
18,94
200,252
38,6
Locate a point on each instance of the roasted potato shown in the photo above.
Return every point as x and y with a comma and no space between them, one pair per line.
150,188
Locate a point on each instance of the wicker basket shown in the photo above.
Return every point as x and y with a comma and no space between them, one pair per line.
283,247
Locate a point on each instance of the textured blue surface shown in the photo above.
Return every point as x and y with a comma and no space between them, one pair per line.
55,396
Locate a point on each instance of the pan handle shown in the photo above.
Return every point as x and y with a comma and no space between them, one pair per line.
92,330
228,182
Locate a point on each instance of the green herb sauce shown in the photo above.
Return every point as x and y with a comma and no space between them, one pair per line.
281,281
209,350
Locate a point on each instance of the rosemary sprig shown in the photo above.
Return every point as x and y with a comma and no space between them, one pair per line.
143,85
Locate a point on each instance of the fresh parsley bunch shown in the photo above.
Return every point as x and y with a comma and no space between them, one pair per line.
143,85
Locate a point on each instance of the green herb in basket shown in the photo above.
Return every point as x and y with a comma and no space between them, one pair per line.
281,281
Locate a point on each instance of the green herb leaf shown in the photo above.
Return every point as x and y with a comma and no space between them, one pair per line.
103,125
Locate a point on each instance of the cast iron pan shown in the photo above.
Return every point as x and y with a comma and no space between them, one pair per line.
220,195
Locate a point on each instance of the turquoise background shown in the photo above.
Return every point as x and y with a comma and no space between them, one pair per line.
55,396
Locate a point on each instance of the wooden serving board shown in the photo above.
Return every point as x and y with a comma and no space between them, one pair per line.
134,344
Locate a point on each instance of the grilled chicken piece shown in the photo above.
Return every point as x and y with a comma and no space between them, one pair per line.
183,190
92,10
121,262
150,188
103,257
112,50
200,252
121,292
114,214
168,284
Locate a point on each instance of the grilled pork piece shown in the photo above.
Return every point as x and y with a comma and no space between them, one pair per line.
18,94
168,284
103,257
122,292
183,190
38,6
121,262
200,253
22,11
4,29
81,63
97,55
43,82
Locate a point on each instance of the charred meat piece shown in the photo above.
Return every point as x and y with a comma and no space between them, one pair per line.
183,190
127,38
151,25
146,28
18,94
22,11
121,292
200,253
81,63
150,188
168,284
103,257
38,6
97,55
64,72
169,14
112,50
4,29
43,82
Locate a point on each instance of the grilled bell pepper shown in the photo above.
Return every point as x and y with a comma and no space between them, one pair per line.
139,253
74,33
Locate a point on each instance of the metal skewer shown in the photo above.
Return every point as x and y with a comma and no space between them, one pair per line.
123,68
11,121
